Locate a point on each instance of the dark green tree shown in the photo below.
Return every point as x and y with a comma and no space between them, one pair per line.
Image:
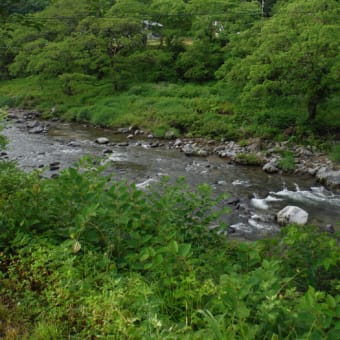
295,53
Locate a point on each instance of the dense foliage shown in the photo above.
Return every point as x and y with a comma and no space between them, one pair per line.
275,63
84,256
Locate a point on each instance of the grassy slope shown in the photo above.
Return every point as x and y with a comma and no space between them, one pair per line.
209,110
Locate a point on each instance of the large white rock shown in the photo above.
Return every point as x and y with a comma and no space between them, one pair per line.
329,177
292,215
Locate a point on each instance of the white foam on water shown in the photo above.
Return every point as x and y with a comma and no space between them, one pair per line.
259,203
71,151
240,182
314,196
270,198
146,183
261,226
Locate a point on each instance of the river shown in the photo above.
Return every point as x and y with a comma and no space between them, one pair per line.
261,195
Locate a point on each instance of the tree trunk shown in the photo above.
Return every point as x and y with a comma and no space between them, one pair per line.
312,107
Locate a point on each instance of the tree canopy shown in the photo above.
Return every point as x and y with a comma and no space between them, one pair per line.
294,53
267,51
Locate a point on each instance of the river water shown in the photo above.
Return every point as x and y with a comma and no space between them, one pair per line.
261,195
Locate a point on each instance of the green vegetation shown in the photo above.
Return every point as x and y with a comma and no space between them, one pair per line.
231,69
84,256
287,161
248,159
335,153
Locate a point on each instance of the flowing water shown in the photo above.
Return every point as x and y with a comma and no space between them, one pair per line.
261,195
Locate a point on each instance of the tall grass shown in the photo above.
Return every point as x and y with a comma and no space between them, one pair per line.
209,110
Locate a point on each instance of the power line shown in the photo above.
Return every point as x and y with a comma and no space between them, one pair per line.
180,14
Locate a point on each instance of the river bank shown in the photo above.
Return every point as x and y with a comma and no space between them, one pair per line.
272,156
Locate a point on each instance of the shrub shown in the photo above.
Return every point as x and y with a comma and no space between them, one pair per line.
335,153
287,161
248,159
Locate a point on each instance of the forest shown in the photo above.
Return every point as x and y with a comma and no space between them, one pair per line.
85,256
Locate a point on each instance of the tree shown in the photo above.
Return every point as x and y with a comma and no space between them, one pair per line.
213,26
294,53
6,8
171,14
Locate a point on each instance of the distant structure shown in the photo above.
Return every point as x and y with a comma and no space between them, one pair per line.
152,28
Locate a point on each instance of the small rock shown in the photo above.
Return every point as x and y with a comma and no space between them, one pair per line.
202,152
123,144
107,151
188,149
233,201
270,167
123,130
329,228
73,144
130,136
219,148
312,172
178,143
33,124
37,129
254,145
102,140
221,182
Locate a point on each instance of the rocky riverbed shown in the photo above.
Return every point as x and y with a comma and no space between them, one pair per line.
252,173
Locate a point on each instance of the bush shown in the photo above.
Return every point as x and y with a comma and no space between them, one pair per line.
287,161
335,153
84,256
248,159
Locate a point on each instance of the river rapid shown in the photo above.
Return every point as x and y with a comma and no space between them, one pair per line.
255,196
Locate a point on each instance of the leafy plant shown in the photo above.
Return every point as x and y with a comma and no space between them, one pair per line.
335,153
248,159
287,161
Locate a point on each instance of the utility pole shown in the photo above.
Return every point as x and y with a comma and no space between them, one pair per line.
262,7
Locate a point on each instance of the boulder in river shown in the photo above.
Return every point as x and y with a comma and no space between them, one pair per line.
37,129
107,151
33,124
102,140
123,144
54,166
193,150
292,215
271,167
329,177
188,149
73,144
